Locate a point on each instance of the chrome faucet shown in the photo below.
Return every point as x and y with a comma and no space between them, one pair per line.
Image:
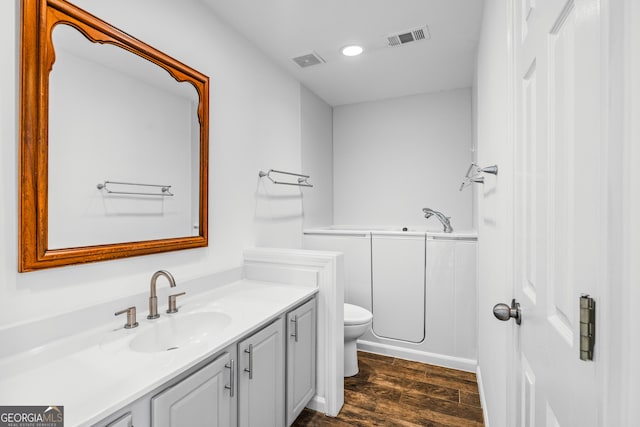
428,212
153,297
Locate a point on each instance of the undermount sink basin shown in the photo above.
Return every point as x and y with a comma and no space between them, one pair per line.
179,330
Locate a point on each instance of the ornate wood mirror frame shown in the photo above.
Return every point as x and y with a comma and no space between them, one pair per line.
38,18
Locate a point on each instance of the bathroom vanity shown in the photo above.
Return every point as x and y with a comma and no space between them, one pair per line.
242,354
243,385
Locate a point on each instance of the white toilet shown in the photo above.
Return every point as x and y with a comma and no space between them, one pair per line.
356,322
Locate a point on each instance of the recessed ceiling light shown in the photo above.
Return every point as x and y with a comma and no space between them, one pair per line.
352,50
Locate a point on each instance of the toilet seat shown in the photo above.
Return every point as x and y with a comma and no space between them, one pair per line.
355,315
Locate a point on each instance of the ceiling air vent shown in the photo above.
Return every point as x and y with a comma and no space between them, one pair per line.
308,60
408,36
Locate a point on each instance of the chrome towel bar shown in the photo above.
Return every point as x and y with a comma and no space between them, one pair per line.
302,179
165,190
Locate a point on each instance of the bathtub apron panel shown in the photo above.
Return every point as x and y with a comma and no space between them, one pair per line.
356,247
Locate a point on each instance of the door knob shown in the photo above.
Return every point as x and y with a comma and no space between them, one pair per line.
504,312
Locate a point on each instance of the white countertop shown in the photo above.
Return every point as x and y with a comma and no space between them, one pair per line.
95,373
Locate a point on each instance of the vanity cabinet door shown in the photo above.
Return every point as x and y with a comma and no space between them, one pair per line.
301,358
125,421
200,400
261,378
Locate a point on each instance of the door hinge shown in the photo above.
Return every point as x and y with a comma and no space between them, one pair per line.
587,327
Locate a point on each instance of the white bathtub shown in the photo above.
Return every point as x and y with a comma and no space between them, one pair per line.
420,285
435,233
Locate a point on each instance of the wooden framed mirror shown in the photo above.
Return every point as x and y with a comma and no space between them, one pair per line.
113,143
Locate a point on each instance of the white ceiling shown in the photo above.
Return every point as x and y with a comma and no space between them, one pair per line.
284,29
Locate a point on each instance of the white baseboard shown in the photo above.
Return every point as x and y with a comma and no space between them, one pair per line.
318,403
452,362
483,401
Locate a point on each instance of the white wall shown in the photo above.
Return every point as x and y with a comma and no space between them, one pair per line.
396,156
254,124
316,117
494,221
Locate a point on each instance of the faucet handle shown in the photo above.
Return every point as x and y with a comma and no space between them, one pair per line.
172,302
131,317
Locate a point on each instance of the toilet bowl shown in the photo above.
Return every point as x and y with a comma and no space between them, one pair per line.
357,321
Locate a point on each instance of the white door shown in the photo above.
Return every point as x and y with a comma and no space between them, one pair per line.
558,206
398,280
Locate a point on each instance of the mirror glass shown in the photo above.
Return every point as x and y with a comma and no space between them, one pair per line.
115,117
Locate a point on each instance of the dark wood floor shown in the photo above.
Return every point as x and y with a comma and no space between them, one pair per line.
395,392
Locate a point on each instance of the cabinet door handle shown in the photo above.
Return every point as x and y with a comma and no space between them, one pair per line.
250,352
295,327
232,377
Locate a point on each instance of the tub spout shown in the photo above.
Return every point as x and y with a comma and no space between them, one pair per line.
428,213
